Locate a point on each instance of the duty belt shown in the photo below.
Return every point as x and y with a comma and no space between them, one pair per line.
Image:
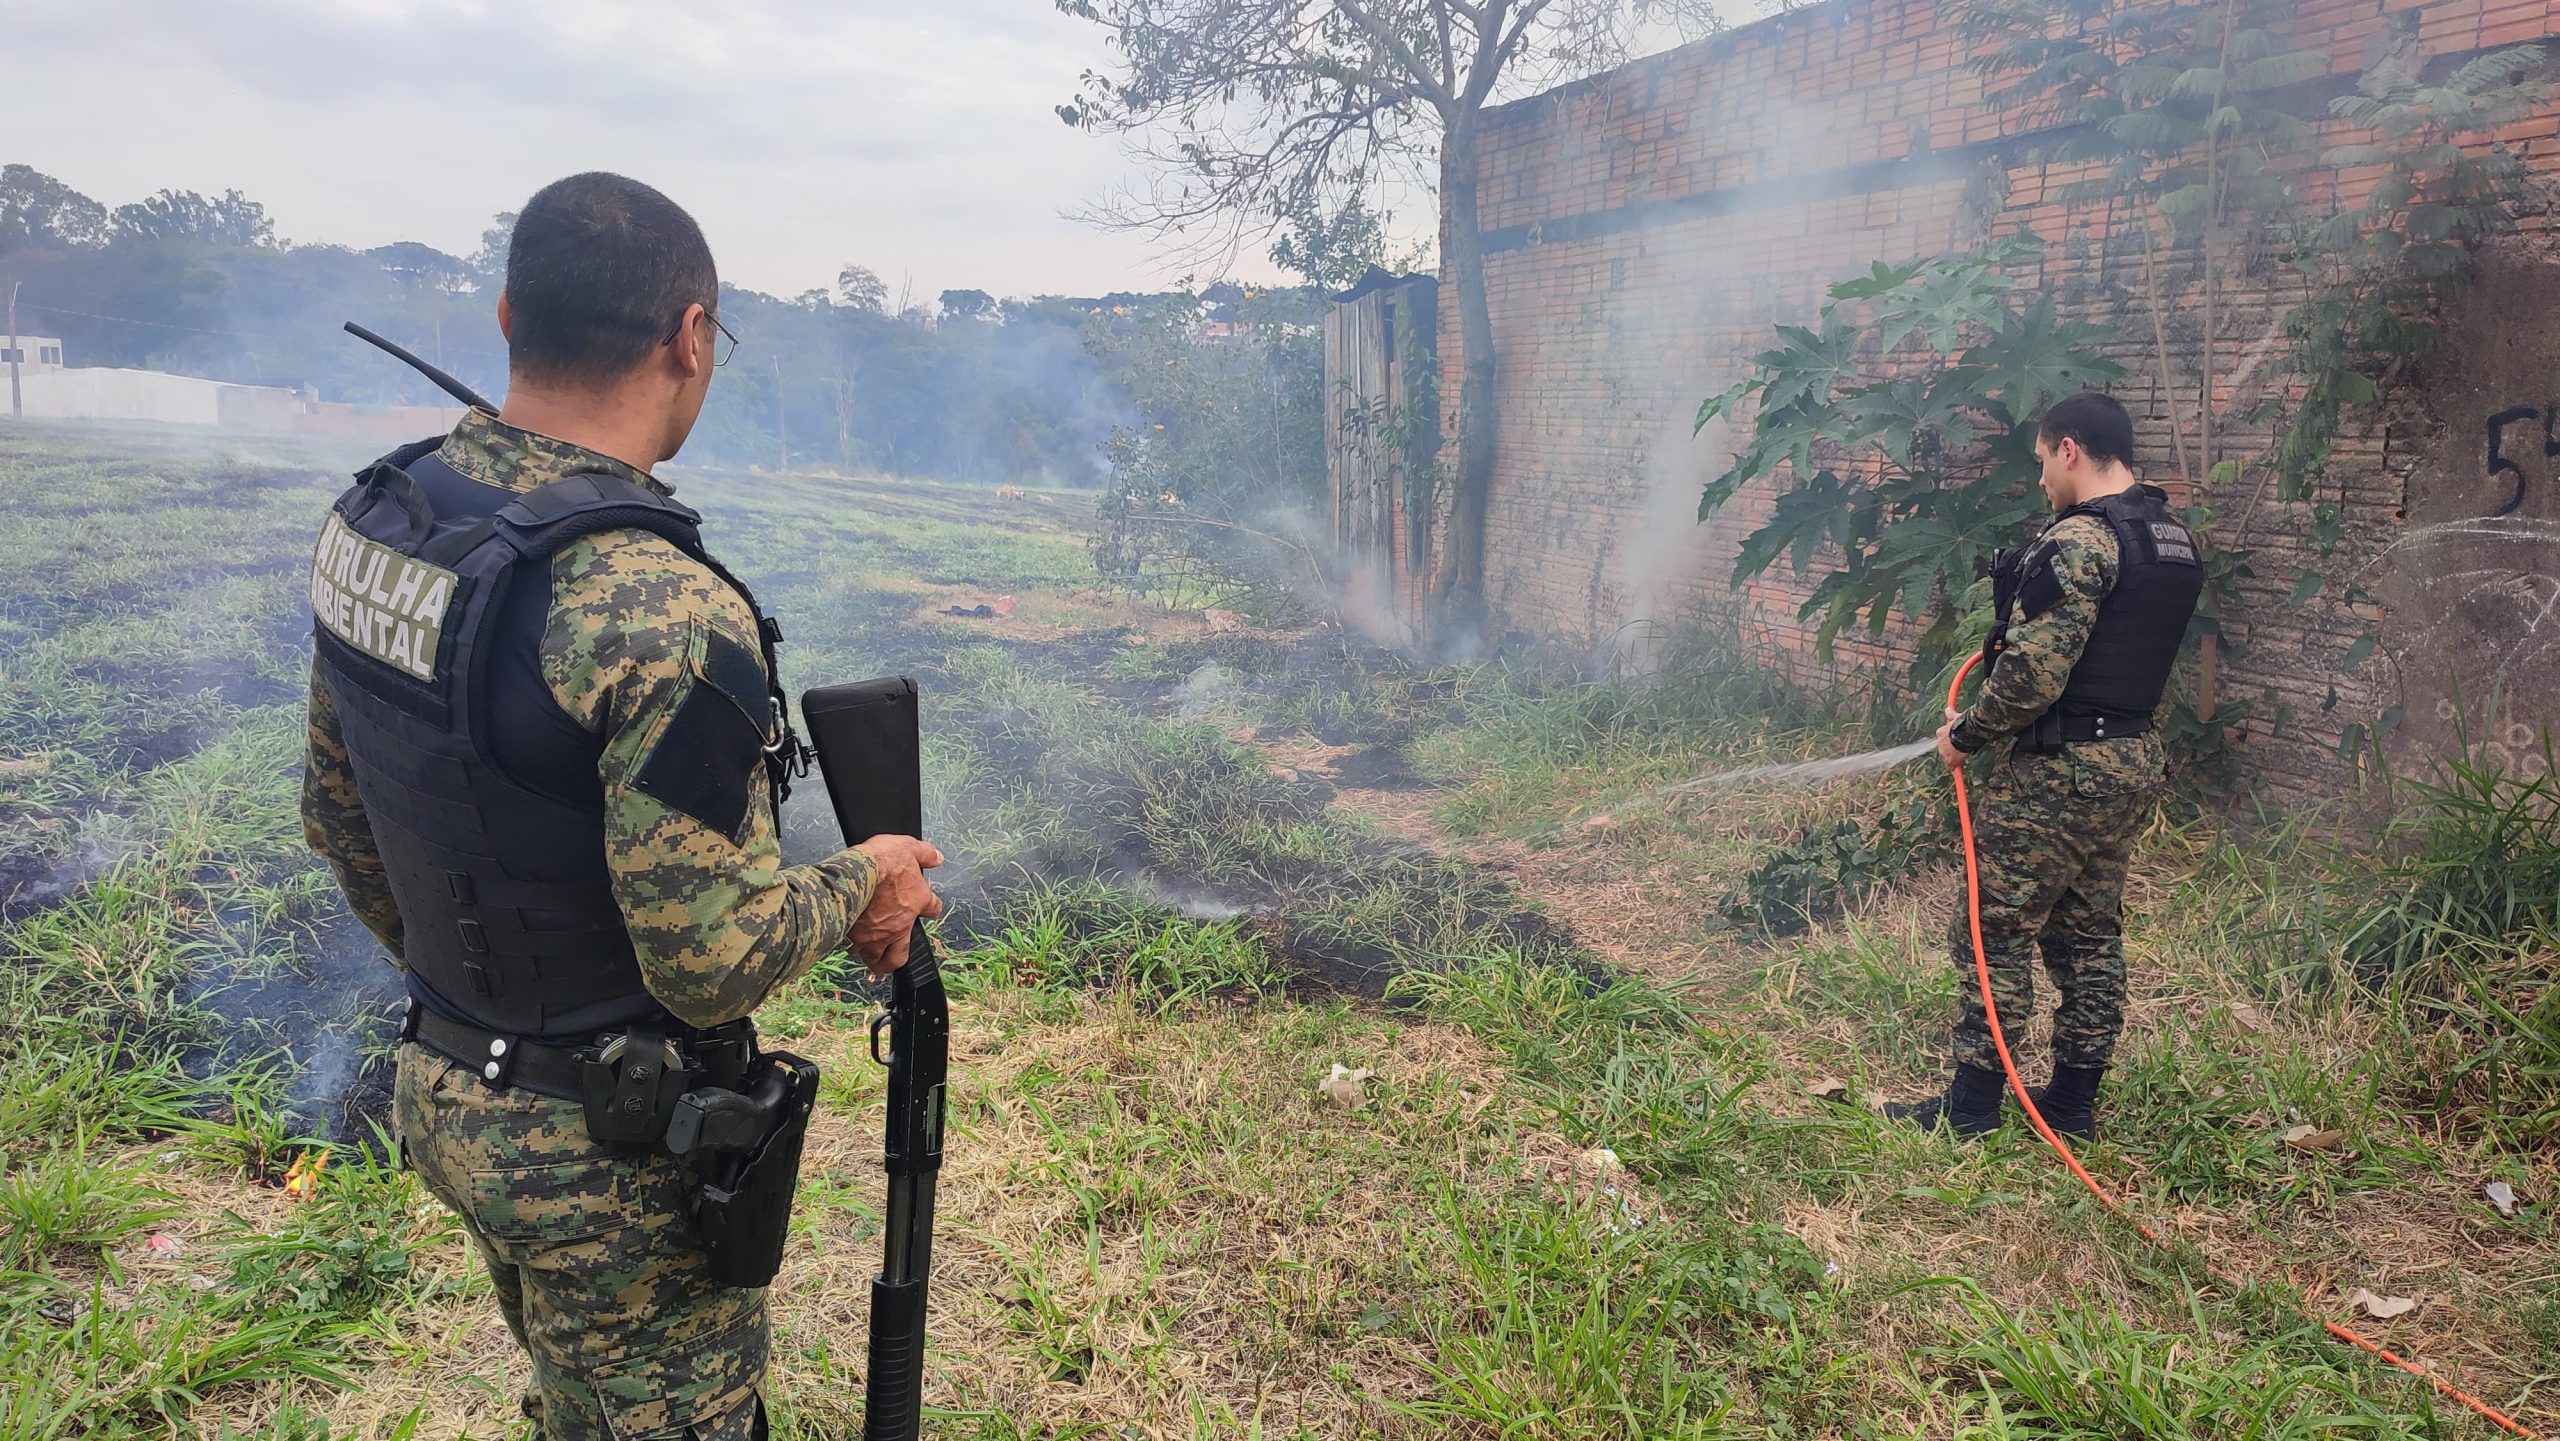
2049,732
719,1055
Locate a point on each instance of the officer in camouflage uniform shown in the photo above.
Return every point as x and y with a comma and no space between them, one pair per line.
545,751
2090,617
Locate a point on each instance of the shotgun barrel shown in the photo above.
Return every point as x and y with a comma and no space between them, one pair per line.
870,753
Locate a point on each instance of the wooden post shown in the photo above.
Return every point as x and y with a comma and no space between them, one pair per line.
1333,415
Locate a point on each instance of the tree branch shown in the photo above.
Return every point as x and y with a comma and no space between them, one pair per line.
1245,182
1448,55
1244,110
1385,35
1504,48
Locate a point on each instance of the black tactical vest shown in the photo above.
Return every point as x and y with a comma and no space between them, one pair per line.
430,593
2125,667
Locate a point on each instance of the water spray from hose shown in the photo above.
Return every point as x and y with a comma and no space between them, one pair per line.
1797,773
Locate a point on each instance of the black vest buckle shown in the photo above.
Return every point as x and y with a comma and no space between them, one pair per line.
632,1083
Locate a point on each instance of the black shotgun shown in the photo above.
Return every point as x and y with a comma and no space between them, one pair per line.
447,383
869,751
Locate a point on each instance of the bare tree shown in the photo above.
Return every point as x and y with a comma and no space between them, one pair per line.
1250,111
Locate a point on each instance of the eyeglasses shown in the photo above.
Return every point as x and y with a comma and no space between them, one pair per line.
721,349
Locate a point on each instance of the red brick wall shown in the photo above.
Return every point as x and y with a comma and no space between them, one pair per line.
1647,227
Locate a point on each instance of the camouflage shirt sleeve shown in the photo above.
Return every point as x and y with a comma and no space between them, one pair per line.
333,821
637,632
2043,648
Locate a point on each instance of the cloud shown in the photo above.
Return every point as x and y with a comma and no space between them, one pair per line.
913,136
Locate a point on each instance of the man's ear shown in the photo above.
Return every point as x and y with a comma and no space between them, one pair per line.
692,353
506,317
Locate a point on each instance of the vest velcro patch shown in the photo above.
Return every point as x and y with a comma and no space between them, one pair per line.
2041,590
2171,541
737,673
388,605
707,761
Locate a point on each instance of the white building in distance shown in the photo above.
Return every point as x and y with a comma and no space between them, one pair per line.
47,389
32,353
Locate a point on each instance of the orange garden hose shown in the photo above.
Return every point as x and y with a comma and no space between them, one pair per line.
1999,1041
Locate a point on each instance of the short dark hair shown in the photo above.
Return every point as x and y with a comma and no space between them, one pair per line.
599,268
2096,420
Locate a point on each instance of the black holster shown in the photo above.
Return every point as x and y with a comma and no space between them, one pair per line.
749,1148
633,1084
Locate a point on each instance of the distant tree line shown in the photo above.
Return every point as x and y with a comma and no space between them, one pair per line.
970,387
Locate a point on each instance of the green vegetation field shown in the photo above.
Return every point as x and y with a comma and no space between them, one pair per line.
1588,1190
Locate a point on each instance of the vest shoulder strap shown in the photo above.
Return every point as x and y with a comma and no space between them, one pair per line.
2147,531
544,521
2123,513
410,454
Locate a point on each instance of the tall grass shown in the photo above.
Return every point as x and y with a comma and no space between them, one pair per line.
2441,934
2477,868
1526,737
2459,936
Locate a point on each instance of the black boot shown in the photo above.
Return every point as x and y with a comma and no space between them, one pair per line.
1971,1105
2070,1104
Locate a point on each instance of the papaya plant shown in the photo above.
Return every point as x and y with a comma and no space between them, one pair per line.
1899,429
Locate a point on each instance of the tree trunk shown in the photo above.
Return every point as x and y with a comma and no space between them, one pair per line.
844,422
1457,600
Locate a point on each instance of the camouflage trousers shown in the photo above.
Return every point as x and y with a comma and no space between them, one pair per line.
594,1261
2053,834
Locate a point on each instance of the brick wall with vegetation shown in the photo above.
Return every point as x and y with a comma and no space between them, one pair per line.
1648,228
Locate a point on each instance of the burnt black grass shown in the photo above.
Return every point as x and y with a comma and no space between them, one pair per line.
1160,941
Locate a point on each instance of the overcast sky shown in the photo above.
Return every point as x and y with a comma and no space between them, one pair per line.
917,137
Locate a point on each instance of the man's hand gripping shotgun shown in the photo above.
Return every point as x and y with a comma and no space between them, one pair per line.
868,749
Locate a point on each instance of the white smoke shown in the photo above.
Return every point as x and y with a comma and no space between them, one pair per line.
1203,691
1667,554
1666,562
1195,902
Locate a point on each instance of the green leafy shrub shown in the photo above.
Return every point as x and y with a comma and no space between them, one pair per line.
1826,869
1900,429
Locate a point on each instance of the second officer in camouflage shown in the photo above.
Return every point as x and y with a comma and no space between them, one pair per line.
545,751
2090,617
